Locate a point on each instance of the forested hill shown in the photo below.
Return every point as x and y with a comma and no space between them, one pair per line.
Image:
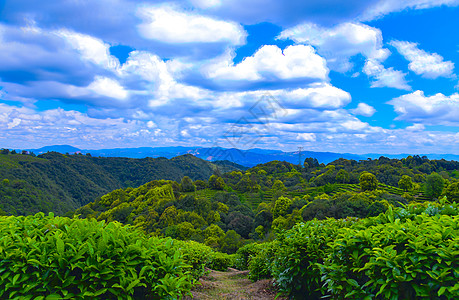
61,183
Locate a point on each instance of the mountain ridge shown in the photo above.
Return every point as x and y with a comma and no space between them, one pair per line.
247,158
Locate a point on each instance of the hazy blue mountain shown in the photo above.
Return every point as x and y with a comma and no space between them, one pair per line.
248,158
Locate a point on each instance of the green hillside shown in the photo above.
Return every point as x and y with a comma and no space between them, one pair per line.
61,183
238,207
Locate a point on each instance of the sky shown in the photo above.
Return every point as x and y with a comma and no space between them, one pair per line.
356,76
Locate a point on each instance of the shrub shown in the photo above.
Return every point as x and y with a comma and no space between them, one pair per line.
244,254
409,252
412,259
300,250
221,261
61,258
261,264
198,255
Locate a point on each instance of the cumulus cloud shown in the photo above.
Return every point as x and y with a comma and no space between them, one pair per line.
385,77
271,63
434,110
108,87
364,109
429,65
344,41
338,44
318,96
90,48
166,24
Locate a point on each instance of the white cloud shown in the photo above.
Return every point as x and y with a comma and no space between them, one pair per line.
364,109
25,128
108,87
434,110
169,25
306,136
320,96
383,77
269,63
429,65
416,127
340,43
354,125
151,124
384,7
91,49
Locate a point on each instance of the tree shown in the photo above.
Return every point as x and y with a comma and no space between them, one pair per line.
240,223
405,183
281,206
231,242
186,185
452,192
185,230
278,186
342,176
216,183
434,185
200,184
310,162
368,181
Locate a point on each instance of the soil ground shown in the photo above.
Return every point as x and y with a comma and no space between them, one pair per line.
233,285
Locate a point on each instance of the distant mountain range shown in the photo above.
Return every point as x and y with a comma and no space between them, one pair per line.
248,158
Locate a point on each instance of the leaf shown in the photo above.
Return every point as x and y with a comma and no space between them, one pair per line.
60,246
15,278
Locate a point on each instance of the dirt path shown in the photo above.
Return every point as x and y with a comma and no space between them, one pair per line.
233,285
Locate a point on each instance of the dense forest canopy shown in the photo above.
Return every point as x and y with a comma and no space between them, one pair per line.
238,207
61,183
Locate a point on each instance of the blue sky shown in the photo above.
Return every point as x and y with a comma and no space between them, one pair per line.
342,76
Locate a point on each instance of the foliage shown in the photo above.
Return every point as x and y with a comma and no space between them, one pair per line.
281,206
187,185
221,261
409,257
434,185
408,252
202,257
61,258
452,191
300,249
197,255
62,183
368,181
405,183
216,182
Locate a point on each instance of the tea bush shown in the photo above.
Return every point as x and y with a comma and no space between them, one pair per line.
198,255
300,250
43,257
261,264
410,252
202,257
412,257
221,261
244,254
